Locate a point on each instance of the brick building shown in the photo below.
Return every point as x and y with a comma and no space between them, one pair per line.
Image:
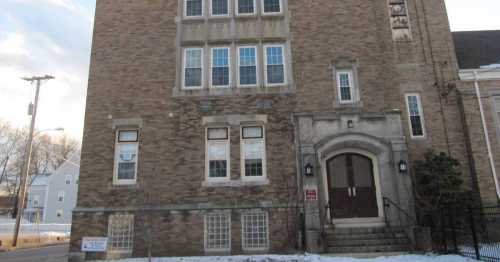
479,60
249,126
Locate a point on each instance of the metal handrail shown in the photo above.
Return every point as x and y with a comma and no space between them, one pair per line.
387,202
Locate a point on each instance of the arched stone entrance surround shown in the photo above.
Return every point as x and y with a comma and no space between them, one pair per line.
376,150
378,136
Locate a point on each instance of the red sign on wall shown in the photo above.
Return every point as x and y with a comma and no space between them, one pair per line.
311,194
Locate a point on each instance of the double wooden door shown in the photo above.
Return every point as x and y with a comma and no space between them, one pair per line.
351,186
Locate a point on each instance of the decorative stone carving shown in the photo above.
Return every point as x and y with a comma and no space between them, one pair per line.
400,22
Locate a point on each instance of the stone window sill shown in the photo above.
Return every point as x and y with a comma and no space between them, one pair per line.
236,183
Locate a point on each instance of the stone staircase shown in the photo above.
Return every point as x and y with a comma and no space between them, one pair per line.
368,240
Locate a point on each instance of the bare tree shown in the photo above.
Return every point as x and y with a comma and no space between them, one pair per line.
47,155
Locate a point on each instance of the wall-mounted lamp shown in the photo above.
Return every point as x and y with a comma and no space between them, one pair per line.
308,170
350,124
403,166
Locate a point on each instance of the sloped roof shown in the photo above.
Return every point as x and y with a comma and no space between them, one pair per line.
477,48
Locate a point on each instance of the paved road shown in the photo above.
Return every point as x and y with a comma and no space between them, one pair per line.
44,254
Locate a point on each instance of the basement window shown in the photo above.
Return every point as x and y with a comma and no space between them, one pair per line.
217,154
255,231
120,233
415,116
218,232
126,155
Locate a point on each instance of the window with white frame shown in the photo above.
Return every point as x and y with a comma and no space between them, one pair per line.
68,179
271,6
126,155
60,196
220,67
36,200
345,86
415,115
253,152
245,7
218,231
193,68
255,230
247,64
193,8
219,7
120,232
217,158
275,64
59,213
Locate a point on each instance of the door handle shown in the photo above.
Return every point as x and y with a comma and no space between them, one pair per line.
349,192
354,191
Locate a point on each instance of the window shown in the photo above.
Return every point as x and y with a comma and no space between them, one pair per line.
193,8
59,213
120,232
126,154
218,232
247,63
217,159
219,7
220,67
255,230
271,6
36,200
415,115
60,196
275,69
245,7
345,86
253,152
68,179
193,68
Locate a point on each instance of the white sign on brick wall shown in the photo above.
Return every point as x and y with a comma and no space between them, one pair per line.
94,244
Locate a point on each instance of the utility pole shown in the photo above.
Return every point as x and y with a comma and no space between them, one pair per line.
27,155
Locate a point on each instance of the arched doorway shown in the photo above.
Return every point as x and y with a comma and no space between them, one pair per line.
351,186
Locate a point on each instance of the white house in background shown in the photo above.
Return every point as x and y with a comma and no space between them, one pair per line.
56,196
37,199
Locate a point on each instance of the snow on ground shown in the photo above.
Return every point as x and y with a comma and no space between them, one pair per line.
306,258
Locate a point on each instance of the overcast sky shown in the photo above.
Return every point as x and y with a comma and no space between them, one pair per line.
40,37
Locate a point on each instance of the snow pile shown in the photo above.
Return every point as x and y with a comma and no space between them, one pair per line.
305,258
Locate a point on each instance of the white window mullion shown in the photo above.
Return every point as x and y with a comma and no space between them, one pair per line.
253,153
255,230
345,86
218,231
220,67
275,70
192,73
126,157
247,66
415,115
217,161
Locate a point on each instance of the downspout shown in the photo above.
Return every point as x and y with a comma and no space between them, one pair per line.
486,136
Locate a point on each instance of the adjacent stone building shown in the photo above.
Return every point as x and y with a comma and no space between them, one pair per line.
250,126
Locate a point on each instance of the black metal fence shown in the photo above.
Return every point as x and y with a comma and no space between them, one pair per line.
472,232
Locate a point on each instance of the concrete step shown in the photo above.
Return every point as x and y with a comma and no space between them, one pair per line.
370,249
364,230
334,236
369,242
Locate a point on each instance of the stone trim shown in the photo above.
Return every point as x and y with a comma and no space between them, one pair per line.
234,120
188,207
127,123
